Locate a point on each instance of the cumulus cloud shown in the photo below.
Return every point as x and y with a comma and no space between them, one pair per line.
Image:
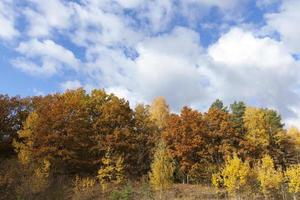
95,25
44,18
171,65
8,30
286,23
50,56
260,71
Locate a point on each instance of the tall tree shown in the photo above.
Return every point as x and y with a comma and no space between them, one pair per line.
147,136
237,114
264,133
114,127
59,130
13,113
221,138
159,111
162,169
184,135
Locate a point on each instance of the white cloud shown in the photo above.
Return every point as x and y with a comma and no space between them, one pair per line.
171,65
70,85
286,23
52,57
8,30
44,18
95,25
125,93
238,48
257,70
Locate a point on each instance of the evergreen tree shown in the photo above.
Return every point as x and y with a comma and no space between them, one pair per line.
218,104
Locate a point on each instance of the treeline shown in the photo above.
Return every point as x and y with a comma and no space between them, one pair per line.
96,138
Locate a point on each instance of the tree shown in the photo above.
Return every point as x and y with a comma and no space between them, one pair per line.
292,175
114,127
162,169
184,137
13,113
293,135
147,136
269,178
60,130
111,171
235,175
159,111
218,104
237,114
264,134
221,138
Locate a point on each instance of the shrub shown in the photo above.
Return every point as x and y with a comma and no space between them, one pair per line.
292,175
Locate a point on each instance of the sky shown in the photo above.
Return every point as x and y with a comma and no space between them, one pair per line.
189,51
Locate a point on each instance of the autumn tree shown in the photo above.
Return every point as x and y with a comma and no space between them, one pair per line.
59,130
221,138
293,134
264,134
147,135
112,170
114,127
269,178
184,137
159,111
13,113
234,176
292,175
162,169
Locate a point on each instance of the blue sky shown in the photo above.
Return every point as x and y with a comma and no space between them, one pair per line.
190,51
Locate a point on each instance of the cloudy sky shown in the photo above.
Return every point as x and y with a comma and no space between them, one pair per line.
190,51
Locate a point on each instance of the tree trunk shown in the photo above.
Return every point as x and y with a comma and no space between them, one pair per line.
160,193
187,179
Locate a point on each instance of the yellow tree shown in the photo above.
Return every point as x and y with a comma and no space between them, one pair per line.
159,111
234,176
111,171
269,178
162,169
25,149
264,134
294,134
292,175
254,121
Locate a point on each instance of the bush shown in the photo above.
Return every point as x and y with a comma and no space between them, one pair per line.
126,193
